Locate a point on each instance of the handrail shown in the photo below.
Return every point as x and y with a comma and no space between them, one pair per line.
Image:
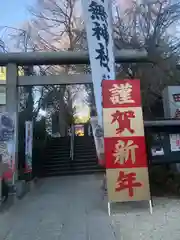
72,143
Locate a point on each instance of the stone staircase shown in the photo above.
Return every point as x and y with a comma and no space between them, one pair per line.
57,161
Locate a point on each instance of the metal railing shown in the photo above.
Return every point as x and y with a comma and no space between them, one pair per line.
72,143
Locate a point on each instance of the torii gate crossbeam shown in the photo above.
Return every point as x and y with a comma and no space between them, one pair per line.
67,57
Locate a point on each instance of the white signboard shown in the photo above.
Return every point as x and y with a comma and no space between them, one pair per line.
171,102
28,146
157,152
98,138
98,22
175,142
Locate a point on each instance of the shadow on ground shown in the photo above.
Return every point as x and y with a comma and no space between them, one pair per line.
5,206
164,182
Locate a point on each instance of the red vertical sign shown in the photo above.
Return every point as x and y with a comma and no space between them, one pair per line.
124,142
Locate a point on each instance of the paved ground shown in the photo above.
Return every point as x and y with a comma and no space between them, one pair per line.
60,208
72,208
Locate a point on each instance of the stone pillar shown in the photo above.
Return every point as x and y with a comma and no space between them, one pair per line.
12,105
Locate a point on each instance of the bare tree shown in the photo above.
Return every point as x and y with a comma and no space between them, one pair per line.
151,25
55,26
3,47
59,27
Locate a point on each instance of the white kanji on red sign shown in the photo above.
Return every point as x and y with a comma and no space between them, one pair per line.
121,93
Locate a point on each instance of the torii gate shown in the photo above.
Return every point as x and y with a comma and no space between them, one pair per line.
13,60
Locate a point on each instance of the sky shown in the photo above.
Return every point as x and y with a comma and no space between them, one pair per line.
14,12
